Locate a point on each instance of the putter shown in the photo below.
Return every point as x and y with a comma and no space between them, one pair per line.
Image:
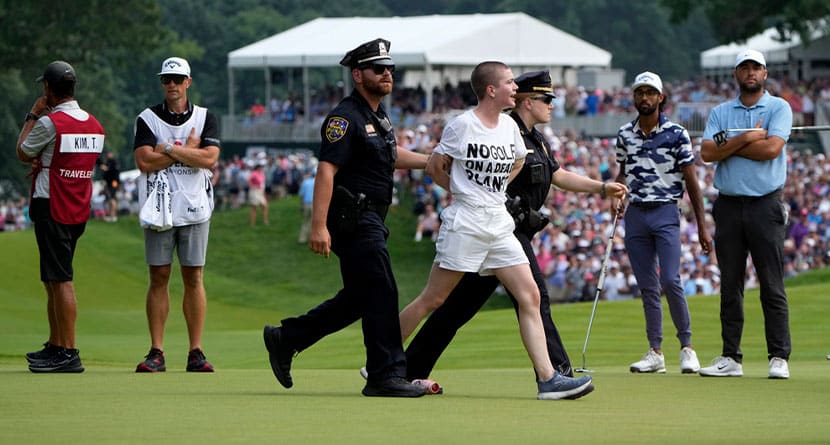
720,137
600,283
808,128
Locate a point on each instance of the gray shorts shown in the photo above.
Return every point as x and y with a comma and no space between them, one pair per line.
190,242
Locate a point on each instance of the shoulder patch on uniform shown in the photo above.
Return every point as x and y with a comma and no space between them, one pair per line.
336,128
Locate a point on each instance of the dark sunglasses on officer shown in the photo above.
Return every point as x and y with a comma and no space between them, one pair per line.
175,78
378,69
546,99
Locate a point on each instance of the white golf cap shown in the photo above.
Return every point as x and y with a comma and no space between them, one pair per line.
750,54
648,78
176,66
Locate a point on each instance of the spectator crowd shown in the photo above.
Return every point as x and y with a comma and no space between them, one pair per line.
570,250
408,105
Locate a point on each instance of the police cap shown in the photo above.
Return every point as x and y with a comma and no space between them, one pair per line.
373,52
57,72
535,82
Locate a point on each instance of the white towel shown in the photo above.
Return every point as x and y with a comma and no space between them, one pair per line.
156,212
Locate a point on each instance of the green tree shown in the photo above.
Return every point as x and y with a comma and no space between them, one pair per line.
644,39
217,27
737,20
636,32
101,47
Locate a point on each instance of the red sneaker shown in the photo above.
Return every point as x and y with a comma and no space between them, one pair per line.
196,362
153,362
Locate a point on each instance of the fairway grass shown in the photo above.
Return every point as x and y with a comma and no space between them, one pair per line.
261,276
483,406
490,393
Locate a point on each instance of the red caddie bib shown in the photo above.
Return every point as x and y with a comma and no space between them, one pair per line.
77,146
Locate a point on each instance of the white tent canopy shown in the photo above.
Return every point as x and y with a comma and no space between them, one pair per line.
784,55
514,38
774,51
423,41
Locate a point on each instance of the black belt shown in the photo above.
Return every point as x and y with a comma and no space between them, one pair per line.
749,199
651,205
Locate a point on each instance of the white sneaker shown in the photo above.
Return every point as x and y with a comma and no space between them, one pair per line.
778,368
651,362
688,361
364,373
723,367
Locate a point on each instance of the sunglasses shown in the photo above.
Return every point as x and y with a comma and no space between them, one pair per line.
379,69
167,78
648,93
546,99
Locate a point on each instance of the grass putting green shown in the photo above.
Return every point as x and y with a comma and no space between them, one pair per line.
257,276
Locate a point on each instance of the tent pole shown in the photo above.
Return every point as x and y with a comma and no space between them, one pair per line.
428,84
230,92
267,77
306,95
347,81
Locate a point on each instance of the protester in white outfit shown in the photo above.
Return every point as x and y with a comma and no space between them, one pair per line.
480,151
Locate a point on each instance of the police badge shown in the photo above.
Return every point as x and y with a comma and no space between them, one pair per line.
336,128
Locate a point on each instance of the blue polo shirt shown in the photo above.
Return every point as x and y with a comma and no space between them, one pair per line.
738,176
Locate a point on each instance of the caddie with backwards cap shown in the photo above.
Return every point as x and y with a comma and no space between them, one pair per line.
750,214
657,162
62,143
176,145
352,193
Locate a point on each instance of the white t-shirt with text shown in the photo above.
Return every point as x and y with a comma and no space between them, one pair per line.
482,158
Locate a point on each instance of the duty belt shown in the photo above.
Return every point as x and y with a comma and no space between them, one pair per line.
377,208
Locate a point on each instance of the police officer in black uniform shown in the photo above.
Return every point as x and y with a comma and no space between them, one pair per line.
352,192
526,195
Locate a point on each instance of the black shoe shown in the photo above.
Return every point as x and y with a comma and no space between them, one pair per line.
48,350
65,360
153,362
279,355
196,362
392,387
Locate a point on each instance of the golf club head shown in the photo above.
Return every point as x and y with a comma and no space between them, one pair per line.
584,370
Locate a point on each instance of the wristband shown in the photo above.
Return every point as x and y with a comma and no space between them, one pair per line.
602,191
720,138
31,117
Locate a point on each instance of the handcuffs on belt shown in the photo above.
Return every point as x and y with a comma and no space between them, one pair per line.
526,220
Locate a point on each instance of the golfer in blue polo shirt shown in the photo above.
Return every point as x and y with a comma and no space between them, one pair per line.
750,215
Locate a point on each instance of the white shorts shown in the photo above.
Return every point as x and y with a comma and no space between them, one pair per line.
256,197
477,239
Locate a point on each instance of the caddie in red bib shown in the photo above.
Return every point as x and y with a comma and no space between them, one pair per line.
61,142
